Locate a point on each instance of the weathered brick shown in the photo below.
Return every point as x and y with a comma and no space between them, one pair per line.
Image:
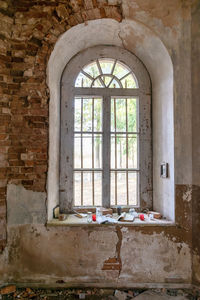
25,47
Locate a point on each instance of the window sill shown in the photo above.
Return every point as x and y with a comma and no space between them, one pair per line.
72,220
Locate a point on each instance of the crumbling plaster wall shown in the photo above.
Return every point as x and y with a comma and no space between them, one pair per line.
98,255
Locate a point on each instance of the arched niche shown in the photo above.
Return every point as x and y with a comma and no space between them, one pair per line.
142,42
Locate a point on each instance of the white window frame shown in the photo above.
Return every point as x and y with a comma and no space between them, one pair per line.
69,92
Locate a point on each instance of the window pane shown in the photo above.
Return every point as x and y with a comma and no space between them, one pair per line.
77,151
129,82
120,114
112,153
121,188
98,188
77,114
92,69
112,188
114,84
83,81
118,188
120,70
87,150
133,187
132,114
118,151
91,188
97,151
112,117
106,65
77,188
132,151
87,114
126,154
87,188
124,188
97,114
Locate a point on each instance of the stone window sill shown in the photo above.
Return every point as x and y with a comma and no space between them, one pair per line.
72,220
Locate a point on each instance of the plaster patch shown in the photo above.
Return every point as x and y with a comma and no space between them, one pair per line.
25,206
187,196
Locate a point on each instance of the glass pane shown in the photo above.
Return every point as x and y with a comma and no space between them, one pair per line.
120,181
97,114
83,81
97,83
120,70
129,82
122,159
106,65
92,187
92,69
118,188
112,121
107,80
77,151
132,151
112,189
114,84
87,114
97,151
120,114
77,114
121,188
132,187
97,188
118,157
87,151
112,156
121,151
87,188
132,114
77,188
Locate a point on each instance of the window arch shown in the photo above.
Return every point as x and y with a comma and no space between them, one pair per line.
109,164
106,73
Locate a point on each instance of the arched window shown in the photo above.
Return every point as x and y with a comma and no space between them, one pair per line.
105,153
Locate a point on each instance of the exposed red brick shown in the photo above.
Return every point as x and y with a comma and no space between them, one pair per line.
32,32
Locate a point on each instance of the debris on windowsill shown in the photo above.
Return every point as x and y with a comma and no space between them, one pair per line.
105,211
156,215
105,219
62,217
126,217
79,215
56,211
106,216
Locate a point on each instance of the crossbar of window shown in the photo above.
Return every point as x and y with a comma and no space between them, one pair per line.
99,92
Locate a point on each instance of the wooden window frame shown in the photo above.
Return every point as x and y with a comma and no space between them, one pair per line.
69,92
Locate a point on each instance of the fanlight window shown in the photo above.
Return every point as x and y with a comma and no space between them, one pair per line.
106,73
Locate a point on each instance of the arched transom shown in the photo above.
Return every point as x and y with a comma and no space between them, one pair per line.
106,73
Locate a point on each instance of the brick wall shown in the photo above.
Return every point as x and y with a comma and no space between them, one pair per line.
28,33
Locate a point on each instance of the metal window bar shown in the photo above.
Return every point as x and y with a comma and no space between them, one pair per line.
93,150
115,125
81,151
127,187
